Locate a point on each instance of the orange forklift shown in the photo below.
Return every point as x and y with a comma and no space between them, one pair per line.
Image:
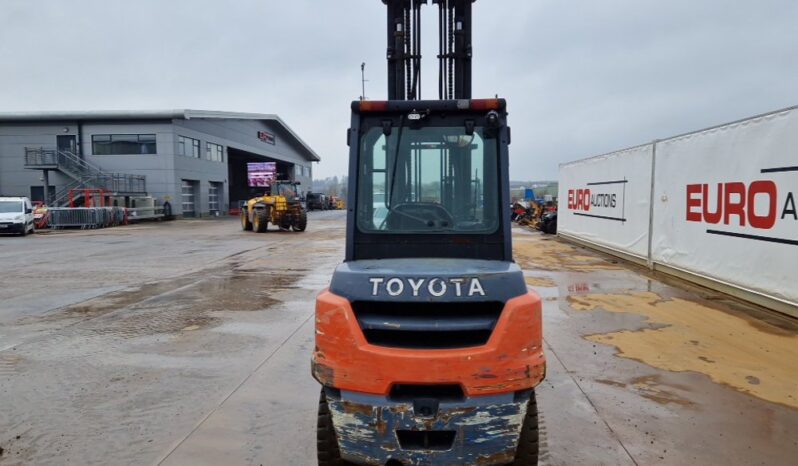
428,343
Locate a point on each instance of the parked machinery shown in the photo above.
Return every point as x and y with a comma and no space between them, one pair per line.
548,222
39,215
526,213
335,203
534,214
281,207
315,201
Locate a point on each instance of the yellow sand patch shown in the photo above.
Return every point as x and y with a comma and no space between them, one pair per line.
535,252
725,347
545,282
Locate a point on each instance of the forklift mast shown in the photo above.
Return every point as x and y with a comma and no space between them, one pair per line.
404,49
404,148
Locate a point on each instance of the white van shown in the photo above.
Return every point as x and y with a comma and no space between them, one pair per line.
16,215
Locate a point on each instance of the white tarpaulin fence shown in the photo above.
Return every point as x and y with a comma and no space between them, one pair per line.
721,207
606,200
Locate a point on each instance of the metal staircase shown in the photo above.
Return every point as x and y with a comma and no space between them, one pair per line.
83,174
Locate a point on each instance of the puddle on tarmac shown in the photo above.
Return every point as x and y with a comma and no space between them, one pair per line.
112,301
240,292
151,322
192,307
653,388
183,304
537,252
693,337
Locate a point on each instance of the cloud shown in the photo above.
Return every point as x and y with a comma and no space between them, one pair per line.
581,77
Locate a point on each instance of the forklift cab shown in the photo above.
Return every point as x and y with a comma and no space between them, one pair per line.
429,180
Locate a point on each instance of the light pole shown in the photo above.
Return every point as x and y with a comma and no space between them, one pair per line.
363,80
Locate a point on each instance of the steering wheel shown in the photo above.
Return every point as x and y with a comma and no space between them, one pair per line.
419,216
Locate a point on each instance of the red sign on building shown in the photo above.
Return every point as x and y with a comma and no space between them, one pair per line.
268,138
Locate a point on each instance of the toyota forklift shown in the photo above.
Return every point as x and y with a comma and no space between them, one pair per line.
428,344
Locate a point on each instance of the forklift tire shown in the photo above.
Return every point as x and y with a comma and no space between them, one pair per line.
327,450
528,443
246,225
260,221
301,222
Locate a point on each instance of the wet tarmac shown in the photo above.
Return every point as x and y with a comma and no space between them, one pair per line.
645,369
188,343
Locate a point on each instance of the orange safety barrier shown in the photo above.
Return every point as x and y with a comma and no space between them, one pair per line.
90,197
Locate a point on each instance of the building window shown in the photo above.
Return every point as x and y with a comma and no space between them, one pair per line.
214,152
214,196
123,144
188,147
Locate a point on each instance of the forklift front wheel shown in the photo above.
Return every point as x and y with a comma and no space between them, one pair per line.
528,443
327,449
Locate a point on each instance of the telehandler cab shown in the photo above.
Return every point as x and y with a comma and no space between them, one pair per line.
428,344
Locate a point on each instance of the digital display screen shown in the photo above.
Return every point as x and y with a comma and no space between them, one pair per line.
261,174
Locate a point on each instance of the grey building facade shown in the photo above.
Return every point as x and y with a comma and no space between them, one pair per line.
194,160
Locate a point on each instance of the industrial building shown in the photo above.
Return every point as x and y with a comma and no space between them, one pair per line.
192,161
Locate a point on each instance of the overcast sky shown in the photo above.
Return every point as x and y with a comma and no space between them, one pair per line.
582,77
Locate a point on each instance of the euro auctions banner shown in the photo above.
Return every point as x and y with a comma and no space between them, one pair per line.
726,204
605,200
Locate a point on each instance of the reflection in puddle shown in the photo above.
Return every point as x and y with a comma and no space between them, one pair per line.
653,388
579,288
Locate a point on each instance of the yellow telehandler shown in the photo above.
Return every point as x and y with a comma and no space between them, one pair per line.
280,207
